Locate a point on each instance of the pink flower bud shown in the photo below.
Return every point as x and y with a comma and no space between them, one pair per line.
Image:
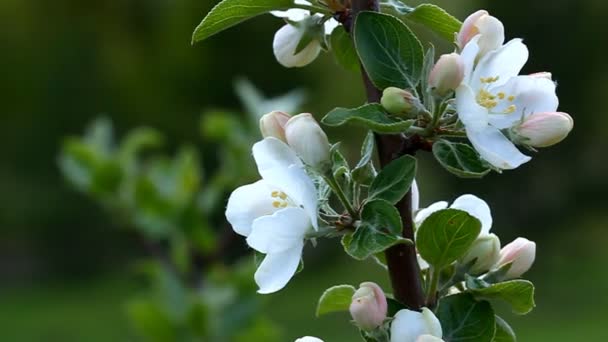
285,44
400,102
307,139
447,74
520,254
369,307
544,129
491,30
273,125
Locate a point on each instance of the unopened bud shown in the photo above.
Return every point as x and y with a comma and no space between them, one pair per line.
400,102
542,74
543,129
447,74
307,139
368,307
484,254
520,254
491,30
308,339
273,125
409,326
429,338
285,46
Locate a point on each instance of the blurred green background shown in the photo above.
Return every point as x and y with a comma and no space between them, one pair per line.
66,266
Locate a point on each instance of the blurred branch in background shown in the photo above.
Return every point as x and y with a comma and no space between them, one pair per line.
198,284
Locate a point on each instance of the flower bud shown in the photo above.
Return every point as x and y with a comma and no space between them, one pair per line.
409,326
273,125
520,254
485,251
368,307
429,338
542,74
544,129
400,102
491,29
285,44
307,139
308,339
447,74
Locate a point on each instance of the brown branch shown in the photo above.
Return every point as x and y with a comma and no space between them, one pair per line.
402,261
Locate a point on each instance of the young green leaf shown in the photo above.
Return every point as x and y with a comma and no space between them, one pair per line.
464,319
504,332
336,298
460,159
365,172
344,49
436,19
518,293
380,229
371,116
394,181
390,52
446,235
232,12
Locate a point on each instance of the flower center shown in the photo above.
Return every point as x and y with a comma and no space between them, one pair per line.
489,100
280,199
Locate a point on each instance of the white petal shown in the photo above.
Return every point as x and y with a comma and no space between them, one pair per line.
428,211
277,269
285,44
294,14
294,182
469,55
477,208
531,95
271,153
330,25
472,115
428,338
247,203
423,264
496,149
280,231
415,196
505,63
308,339
408,325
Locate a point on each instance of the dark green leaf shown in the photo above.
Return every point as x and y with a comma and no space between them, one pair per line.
518,293
436,19
336,298
446,235
463,319
391,54
365,172
371,116
231,12
393,182
344,50
504,332
380,229
460,159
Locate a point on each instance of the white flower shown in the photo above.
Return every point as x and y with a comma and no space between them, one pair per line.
409,326
309,339
298,14
493,97
275,213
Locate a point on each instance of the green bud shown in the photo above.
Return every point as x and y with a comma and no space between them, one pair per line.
400,102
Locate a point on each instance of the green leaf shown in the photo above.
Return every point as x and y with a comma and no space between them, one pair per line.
336,298
365,172
460,159
504,332
446,235
394,181
464,319
390,52
232,12
344,49
518,293
436,19
380,229
371,116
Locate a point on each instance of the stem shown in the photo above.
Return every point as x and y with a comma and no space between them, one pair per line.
435,273
402,261
333,183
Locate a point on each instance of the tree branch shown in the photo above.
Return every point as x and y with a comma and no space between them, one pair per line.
402,259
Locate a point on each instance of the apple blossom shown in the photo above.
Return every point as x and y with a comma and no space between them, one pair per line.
275,213
543,129
428,338
520,254
484,253
309,339
409,326
369,306
493,97
447,74
472,204
273,125
308,140
481,23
